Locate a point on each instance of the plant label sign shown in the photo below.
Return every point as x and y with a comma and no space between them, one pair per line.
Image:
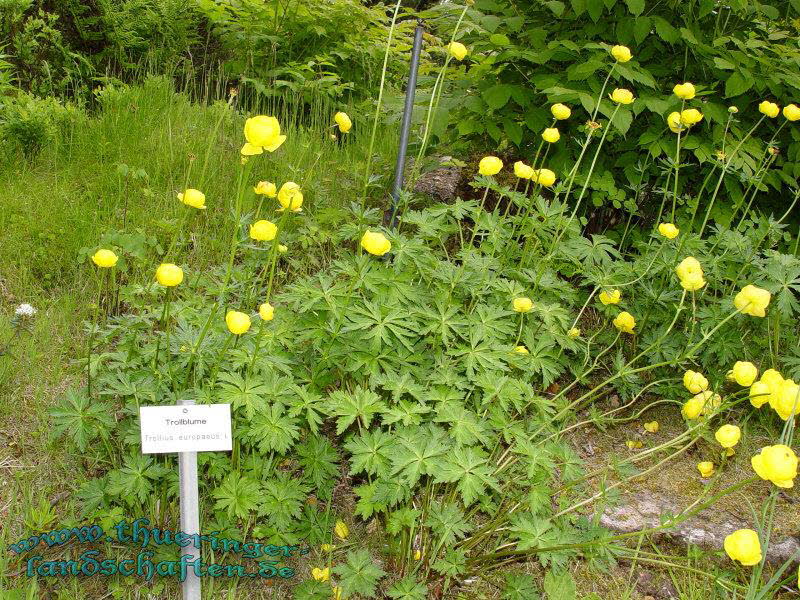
185,428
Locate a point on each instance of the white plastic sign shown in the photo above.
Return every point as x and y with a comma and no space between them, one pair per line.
185,428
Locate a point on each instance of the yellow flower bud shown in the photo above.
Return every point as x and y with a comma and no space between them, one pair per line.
733,110
625,322
327,547
194,198
321,574
695,382
169,275
701,404
105,259
610,297
375,243
674,122
290,196
744,373
622,96
633,444
551,135
522,170
768,108
684,91
652,426
560,111
266,188
543,177
521,350
728,436
691,116
262,133
341,530
777,464
266,311
693,282
621,53
791,112
759,394
490,165
237,322
786,400
522,304
752,300
263,231
417,554
706,468
457,50
688,266
743,545
668,230
343,121
574,333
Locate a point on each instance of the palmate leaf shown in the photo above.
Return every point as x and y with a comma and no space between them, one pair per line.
418,452
443,322
520,586
479,356
408,588
359,575
468,467
283,500
406,413
273,430
543,358
238,496
242,393
382,325
318,459
369,452
308,406
405,383
465,426
362,404
134,481
81,418
448,522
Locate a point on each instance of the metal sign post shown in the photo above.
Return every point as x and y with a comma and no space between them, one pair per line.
190,513
405,126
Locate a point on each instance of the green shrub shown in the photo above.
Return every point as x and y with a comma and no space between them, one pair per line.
29,123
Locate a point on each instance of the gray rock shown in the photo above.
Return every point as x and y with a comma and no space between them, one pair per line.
441,183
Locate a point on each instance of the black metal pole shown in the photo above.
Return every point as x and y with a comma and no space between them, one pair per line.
405,126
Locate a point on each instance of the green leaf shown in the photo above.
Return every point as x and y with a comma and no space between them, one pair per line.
641,29
408,588
499,39
362,404
520,587
272,430
595,9
556,6
238,496
559,586
81,419
360,575
513,131
635,6
497,96
737,84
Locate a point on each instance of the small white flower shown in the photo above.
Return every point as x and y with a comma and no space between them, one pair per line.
25,310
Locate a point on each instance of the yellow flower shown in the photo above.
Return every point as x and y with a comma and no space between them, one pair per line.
417,554
337,593
651,426
560,111
693,282
777,464
759,394
701,404
321,574
684,91
622,96
625,322
752,301
706,468
263,231
791,112
621,53
544,177
521,350
522,170
266,311
343,121
573,333
290,197
490,165
282,248
769,108
375,243
668,230
169,275
551,135
457,50
341,530
733,110
743,545
786,401
691,116
633,444
266,188
695,382
744,373
612,297
327,547
674,122
194,198
262,133
105,259
688,266
728,436
237,322
522,304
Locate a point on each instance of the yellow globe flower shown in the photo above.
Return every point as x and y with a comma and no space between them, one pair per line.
625,322
752,300
343,121
194,198
263,231
169,275
105,259
341,530
733,110
551,135
574,333
490,165
321,574
728,436
688,266
560,111
262,133
282,248
610,297
266,311
791,112
693,282
701,404
522,170
744,373
290,196
759,394
521,350
633,444
786,401
375,243
743,545
237,322
622,96
769,108
457,50
522,304
684,91
652,426
695,382
621,53
777,464
417,554
691,116
706,468
266,188
674,122
668,230
544,177
327,547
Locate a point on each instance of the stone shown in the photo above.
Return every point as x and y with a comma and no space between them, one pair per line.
441,183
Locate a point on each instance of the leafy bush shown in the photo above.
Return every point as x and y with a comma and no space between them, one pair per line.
28,124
